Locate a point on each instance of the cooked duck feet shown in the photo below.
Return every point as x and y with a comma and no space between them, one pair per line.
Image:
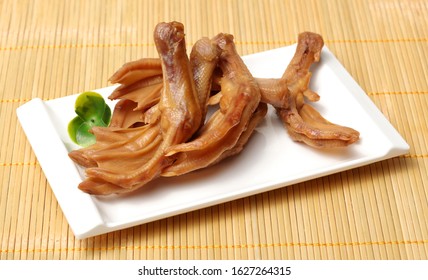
240,98
288,95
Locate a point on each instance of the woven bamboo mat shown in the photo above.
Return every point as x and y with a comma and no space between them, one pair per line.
49,49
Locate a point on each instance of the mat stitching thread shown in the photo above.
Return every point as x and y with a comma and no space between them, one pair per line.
7,164
238,246
414,156
397,92
19,100
328,41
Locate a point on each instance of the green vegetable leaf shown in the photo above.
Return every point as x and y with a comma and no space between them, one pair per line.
91,111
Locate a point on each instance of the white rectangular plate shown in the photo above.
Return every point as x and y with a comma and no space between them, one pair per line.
270,160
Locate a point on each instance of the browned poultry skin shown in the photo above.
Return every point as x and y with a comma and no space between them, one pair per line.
203,61
287,95
255,120
140,88
135,71
120,150
131,148
127,166
132,76
320,126
240,98
107,140
125,116
192,160
163,103
141,84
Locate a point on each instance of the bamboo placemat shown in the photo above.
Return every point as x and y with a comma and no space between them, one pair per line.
50,49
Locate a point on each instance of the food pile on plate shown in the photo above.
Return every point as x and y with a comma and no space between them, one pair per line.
160,126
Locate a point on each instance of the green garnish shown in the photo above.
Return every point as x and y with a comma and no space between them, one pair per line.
91,111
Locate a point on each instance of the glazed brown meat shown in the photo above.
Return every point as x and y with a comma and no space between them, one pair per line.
141,83
240,98
180,117
324,134
203,61
160,125
124,159
288,94
256,118
140,89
